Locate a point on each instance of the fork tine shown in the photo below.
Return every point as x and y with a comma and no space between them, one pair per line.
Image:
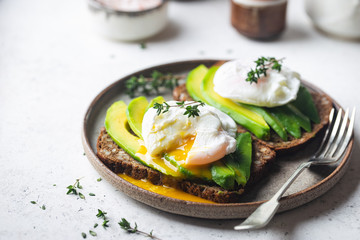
340,136
348,136
331,117
333,132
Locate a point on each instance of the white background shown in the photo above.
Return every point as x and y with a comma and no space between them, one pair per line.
51,67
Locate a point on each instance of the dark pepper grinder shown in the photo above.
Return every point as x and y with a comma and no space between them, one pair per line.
259,19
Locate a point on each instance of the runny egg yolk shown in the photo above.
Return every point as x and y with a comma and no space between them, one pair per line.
190,141
179,153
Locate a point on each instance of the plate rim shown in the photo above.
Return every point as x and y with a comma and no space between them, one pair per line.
113,178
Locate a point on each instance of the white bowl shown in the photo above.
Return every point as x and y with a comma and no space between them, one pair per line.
335,17
128,25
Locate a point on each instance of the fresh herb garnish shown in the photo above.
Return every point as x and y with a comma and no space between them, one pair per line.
95,225
92,194
105,224
43,207
124,224
151,85
262,65
101,214
81,195
92,233
74,189
83,235
191,108
99,179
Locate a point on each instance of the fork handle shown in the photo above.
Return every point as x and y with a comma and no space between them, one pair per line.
287,184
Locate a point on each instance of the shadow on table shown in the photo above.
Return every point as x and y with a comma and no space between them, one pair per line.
294,33
171,31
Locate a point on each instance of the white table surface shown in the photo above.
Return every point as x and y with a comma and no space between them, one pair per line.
51,67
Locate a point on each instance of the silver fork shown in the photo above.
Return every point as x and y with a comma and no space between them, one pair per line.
333,146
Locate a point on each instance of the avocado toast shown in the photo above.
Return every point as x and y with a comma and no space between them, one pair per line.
121,162
118,147
322,105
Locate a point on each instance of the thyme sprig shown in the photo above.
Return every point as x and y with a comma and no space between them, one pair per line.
124,224
101,214
74,189
43,207
105,223
191,109
262,65
92,233
151,85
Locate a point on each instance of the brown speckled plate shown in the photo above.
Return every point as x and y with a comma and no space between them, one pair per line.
311,184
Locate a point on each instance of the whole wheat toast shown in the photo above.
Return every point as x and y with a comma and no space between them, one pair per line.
322,102
119,161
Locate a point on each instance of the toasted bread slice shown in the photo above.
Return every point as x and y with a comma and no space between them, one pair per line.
119,161
322,102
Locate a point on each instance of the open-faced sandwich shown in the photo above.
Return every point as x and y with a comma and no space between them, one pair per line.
219,135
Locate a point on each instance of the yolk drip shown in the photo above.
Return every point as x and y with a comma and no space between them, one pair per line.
164,190
158,160
181,152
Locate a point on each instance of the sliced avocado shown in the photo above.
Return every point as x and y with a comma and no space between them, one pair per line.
287,118
222,175
240,161
193,82
158,99
305,104
243,116
276,125
116,125
201,172
135,114
303,120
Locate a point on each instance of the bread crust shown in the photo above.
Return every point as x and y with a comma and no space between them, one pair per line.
117,160
322,102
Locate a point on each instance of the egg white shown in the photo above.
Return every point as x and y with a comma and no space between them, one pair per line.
212,134
276,89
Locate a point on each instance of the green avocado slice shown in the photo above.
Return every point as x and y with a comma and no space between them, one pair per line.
200,172
243,116
303,120
223,175
274,123
193,82
117,126
135,114
158,99
240,161
287,118
305,104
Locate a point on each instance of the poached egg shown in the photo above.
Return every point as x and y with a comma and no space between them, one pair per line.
276,89
190,140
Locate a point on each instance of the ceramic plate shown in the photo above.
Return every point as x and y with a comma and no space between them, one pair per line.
311,184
